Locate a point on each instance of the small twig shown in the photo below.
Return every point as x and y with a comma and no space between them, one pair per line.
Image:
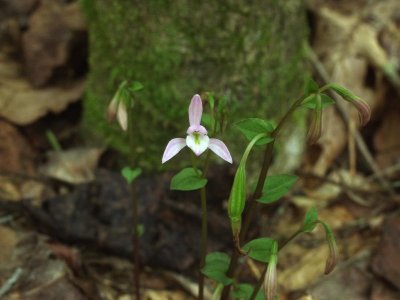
6,287
358,138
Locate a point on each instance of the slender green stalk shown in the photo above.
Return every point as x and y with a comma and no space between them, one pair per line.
252,203
204,225
135,210
204,240
204,229
261,279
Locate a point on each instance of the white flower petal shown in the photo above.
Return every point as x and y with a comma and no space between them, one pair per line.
122,116
195,110
219,148
172,149
198,143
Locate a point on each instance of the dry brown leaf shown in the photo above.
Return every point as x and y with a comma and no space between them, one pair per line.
53,29
73,166
22,104
16,154
309,267
8,241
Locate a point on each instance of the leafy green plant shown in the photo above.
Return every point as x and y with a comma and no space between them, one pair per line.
260,133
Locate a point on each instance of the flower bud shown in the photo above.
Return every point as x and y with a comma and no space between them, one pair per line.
237,200
270,279
122,115
332,258
112,109
364,111
117,108
314,132
362,107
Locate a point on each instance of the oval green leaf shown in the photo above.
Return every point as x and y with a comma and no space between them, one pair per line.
260,249
130,174
217,264
187,180
244,291
252,127
275,186
310,220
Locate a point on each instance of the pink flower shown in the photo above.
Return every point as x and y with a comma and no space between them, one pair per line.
197,138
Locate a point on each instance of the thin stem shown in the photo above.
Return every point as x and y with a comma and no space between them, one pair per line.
252,203
135,210
261,279
204,229
204,240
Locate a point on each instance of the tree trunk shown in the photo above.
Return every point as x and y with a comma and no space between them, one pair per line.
250,51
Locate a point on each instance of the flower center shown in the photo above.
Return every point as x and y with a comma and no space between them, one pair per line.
197,136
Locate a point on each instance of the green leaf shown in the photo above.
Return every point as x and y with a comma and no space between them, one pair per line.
343,92
207,120
130,174
253,126
136,86
140,229
276,186
260,249
311,104
211,100
310,220
311,87
244,291
187,180
217,264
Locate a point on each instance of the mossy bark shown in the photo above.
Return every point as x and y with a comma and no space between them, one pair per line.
250,51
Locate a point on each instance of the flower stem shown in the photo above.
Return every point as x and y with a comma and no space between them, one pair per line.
261,279
204,228
252,203
204,240
135,210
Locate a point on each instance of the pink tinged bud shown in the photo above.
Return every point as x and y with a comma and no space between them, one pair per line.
314,132
172,149
122,116
112,110
270,279
220,149
195,110
364,111
332,258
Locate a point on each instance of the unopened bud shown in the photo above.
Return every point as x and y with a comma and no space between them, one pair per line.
314,132
122,115
364,111
270,279
331,261
112,109
362,107
332,258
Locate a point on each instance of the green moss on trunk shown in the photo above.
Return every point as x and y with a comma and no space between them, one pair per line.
248,50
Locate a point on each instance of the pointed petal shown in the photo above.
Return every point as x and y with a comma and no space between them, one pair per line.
219,148
172,149
198,144
122,116
195,110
